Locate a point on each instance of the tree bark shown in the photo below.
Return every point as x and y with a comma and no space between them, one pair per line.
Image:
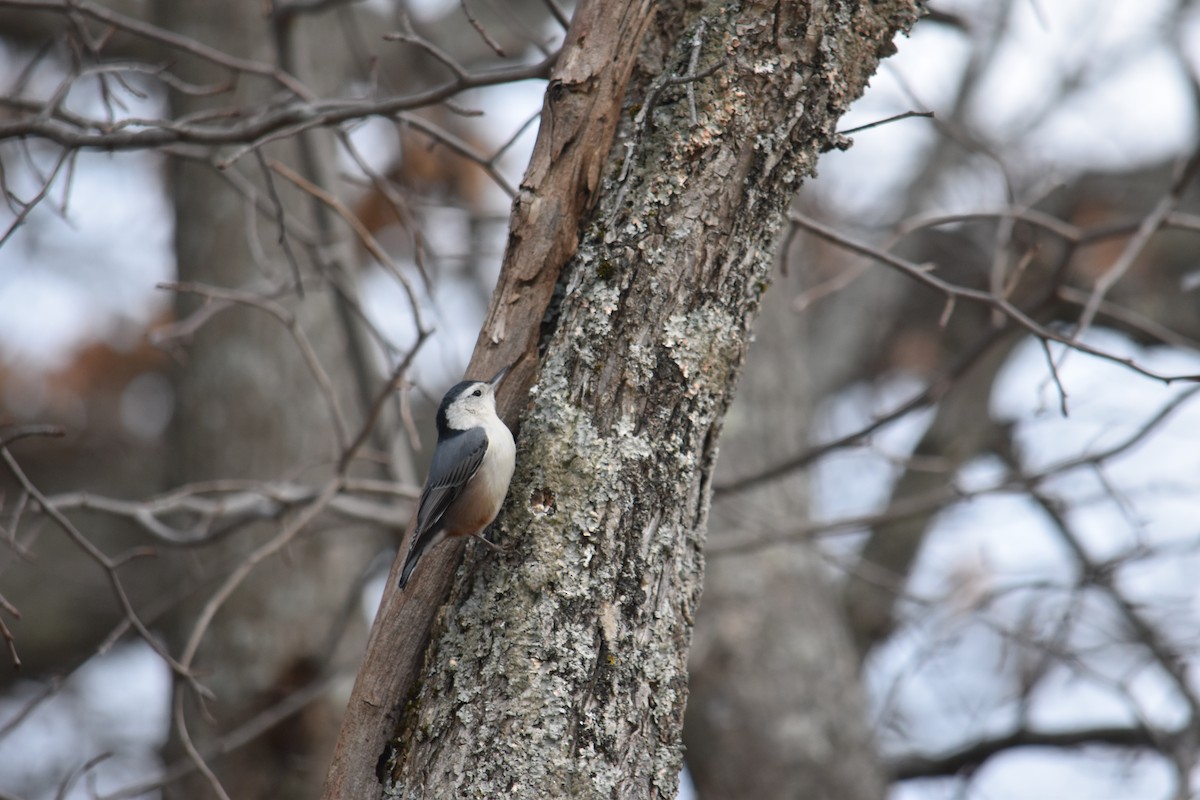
566,659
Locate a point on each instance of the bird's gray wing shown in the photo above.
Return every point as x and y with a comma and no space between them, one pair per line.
455,461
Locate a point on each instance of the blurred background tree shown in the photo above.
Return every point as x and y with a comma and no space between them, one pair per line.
947,553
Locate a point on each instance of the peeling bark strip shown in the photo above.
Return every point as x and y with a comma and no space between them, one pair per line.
580,113
579,117
560,669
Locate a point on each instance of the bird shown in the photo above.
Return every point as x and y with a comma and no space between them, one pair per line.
470,472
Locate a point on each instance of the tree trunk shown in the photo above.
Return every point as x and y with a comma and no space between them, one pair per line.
775,707
565,660
249,407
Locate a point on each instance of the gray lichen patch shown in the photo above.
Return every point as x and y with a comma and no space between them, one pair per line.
704,345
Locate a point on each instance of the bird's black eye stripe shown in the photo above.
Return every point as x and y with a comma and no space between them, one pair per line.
478,393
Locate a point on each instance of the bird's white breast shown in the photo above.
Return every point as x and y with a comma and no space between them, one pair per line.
497,469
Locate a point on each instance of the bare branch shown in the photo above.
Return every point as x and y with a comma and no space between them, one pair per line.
107,564
1022,320
13,433
233,740
1146,633
933,391
138,27
255,127
972,756
1150,225
219,508
464,149
930,501
28,205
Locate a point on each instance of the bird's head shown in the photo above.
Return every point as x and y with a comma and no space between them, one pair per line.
468,405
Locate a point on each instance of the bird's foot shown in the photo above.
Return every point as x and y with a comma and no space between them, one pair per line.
495,548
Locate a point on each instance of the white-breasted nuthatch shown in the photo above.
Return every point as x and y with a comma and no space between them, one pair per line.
472,466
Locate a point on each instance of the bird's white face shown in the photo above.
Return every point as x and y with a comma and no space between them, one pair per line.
469,410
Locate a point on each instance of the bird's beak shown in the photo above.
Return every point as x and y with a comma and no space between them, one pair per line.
494,382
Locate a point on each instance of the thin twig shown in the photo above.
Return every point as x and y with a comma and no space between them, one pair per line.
253,129
1062,392
364,235
463,148
233,740
64,788
218,599
293,326
104,561
189,747
925,276
885,121
1136,245
174,40
972,756
483,34
930,501
284,240
557,12
1130,319
438,54
934,390
11,642
397,380
12,433
28,206
252,560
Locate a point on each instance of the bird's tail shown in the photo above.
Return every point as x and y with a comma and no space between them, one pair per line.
418,549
